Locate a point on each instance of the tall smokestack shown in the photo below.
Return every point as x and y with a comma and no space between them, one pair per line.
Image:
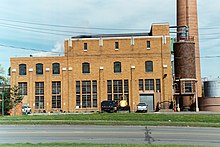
187,16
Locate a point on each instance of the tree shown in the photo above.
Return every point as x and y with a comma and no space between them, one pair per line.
16,97
3,79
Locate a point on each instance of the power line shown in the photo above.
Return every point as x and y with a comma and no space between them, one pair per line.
67,26
29,49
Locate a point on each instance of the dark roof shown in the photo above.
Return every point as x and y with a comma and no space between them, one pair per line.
111,35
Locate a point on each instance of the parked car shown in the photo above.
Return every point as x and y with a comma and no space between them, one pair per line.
142,107
108,106
26,109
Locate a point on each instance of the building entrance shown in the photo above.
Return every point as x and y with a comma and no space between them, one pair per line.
148,99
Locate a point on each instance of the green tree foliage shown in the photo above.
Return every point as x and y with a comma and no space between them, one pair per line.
7,98
12,98
15,97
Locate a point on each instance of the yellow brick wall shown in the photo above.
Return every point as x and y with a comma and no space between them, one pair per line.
101,56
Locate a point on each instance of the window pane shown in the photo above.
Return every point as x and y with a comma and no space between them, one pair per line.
116,45
149,84
22,69
56,68
158,84
149,66
22,88
117,67
141,86
85,46
85,68
148,44
39,69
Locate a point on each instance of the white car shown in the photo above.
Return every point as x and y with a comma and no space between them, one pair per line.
142,107
26,109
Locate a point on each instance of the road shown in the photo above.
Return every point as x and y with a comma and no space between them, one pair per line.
108,134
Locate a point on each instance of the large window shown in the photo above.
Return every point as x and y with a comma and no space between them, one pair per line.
22,88
56,94
188,87
39,69
86,94
120,89
22,69
149,66
109,88
141,84
117,67
78,94
94,93
56,68
149,84
39,95
85,68
126,90
117,89
158,85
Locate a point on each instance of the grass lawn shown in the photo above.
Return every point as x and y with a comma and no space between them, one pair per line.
88,145
196,120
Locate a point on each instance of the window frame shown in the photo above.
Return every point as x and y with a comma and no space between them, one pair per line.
117,67
39,69
22,69
85,46
116,45
22,86
56,68
39,95
149,66
149,84
85,68
148,44
56,94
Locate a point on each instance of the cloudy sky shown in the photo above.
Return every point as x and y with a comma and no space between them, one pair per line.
28,25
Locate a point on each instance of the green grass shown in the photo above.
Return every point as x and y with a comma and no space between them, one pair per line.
200,120
89,145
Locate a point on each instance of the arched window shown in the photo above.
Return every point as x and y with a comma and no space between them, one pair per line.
85,67
117,67
56,68
149,66
22,69
39,69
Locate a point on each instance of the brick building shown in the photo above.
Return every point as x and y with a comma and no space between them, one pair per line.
94,68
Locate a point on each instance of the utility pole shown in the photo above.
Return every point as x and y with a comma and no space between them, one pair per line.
3,102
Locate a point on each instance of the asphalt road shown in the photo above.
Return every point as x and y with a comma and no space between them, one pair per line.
109,134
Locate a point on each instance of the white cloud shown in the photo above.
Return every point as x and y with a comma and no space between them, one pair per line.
58,50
